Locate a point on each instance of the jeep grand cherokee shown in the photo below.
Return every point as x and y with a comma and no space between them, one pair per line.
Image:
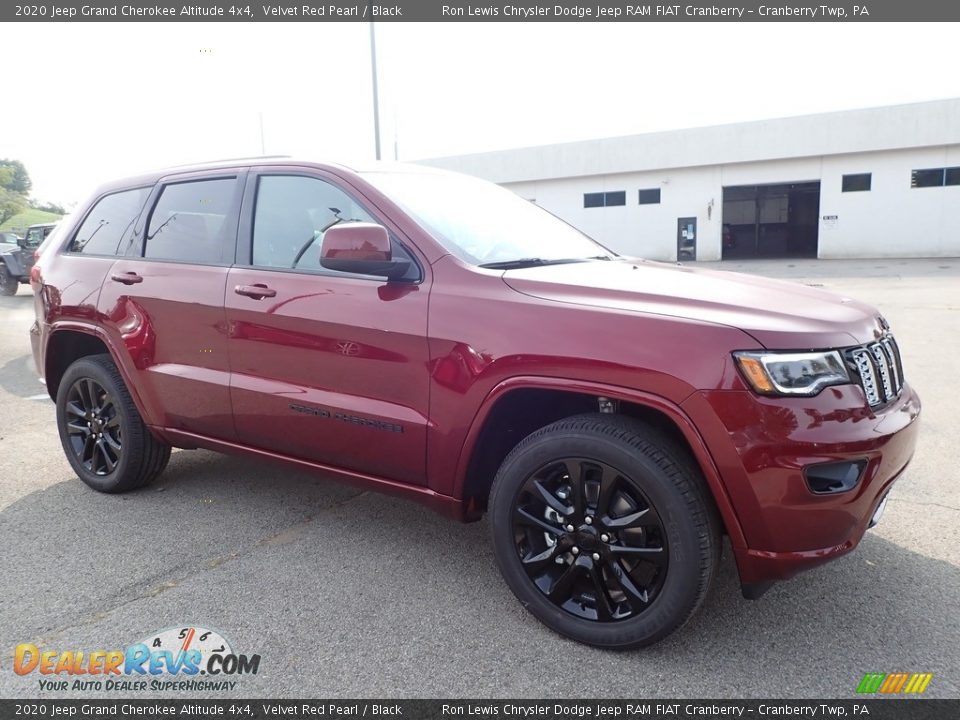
436,337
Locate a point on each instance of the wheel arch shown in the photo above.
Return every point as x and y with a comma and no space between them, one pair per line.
11,264
67,343
529,403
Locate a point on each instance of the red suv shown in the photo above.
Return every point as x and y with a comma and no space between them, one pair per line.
436,337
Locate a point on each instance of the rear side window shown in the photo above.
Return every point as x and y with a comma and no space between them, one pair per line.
109,222
189,220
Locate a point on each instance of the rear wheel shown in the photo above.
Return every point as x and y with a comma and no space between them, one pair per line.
8,283
105,439
604,530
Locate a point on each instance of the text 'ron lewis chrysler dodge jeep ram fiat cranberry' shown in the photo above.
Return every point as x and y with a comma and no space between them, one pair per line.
439,338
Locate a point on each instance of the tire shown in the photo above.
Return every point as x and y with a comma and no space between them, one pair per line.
8,283
640,491
102,433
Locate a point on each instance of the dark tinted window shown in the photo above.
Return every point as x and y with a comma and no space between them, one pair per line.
292,214
856,183
926,178
110,220
952,176
189,220
650,197
604,199
290,219
592,200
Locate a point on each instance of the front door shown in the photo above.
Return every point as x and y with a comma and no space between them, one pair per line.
327,366
686,238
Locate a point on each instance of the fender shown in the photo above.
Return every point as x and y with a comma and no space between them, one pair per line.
639,397
121,363
14,266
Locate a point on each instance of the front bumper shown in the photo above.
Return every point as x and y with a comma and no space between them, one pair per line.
762,446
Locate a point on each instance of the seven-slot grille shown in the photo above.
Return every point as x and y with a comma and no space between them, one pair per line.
880,370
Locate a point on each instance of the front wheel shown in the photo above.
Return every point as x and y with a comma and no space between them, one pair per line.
105,439
8,283
604,530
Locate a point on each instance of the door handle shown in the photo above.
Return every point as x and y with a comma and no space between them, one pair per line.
127,278
257,291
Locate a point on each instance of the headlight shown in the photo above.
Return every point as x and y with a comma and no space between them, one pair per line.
792,373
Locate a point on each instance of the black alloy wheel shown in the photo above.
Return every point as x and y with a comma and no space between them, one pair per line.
604,528
103,436
590,539
93,427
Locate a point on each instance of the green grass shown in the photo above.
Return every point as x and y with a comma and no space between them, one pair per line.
20,222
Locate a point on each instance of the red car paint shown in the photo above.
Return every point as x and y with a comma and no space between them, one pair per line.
389,385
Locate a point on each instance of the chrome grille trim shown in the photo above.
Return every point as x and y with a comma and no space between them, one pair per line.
879,368
868,377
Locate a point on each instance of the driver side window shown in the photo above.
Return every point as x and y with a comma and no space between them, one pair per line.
292,214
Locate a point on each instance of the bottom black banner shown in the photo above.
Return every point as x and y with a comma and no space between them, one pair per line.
874,709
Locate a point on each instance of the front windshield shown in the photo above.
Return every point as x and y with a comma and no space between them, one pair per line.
483,223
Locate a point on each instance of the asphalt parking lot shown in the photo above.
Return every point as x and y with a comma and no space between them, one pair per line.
352,594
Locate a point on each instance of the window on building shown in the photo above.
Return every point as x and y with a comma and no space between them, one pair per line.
931,177
650,197
187,221
859,182
605,199
109,221
952,176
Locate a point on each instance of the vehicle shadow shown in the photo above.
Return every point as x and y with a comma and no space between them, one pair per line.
351,580
18,377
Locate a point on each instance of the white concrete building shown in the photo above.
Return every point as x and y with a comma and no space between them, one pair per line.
880,182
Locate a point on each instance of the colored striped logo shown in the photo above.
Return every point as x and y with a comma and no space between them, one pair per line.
894,683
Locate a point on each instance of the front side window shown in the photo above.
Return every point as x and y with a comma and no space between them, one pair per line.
291,216
189,221
34,237
109,222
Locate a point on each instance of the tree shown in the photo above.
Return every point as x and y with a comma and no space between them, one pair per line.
11,203
16,178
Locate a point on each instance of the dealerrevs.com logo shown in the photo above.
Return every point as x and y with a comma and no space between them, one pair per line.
176,659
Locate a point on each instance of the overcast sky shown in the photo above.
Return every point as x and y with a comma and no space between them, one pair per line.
89,102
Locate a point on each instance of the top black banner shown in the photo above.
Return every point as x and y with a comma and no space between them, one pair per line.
449,11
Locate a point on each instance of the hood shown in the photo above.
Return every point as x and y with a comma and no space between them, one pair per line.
6,247
778,314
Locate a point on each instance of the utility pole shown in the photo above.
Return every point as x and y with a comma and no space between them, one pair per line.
373,71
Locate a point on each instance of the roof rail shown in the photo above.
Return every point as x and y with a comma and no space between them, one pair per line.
234,159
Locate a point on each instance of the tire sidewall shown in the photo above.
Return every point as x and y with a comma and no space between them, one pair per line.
86,368
8,283
678,596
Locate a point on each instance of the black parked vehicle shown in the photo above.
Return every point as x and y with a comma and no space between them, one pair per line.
16,257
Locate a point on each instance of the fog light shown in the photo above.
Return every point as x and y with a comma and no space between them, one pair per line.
830,478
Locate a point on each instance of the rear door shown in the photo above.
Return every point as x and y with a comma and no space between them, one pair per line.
164,301
327,366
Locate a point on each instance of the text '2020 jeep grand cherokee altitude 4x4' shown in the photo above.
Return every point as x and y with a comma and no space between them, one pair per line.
437,337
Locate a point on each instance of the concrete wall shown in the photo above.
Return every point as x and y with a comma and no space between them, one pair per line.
890,220
893,219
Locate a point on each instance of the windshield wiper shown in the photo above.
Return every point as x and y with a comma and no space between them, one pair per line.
528,262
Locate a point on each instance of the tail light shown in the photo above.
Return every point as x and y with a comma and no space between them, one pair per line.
35,270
